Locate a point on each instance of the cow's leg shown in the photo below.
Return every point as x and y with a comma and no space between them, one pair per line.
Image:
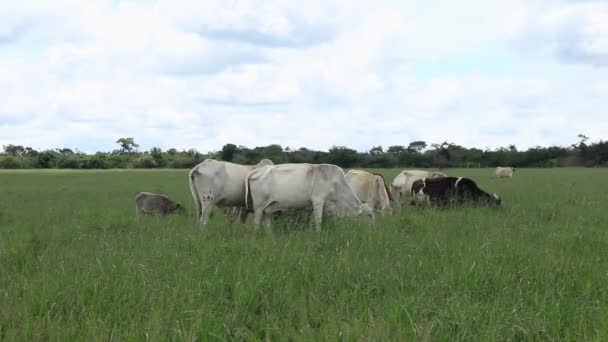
266,219
266,222
317,208
206,209
230,215
258,216
242,216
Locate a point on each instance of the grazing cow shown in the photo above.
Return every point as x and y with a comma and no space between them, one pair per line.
504,172
371,188
451,190
299,186
402,184
220,184
148,203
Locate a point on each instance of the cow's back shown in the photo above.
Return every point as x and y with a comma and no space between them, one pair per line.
361,183
289,184
223,182
152,202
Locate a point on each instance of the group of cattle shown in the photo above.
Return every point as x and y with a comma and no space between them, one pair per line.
266,189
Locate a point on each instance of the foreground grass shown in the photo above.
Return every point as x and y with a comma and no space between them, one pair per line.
74,264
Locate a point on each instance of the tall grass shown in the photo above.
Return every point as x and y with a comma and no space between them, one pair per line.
76,265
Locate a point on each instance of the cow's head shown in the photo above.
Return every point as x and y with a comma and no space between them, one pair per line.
178,208
367,211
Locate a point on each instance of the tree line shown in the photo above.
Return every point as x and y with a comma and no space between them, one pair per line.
416,154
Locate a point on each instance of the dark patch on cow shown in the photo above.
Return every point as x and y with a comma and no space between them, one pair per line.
453,190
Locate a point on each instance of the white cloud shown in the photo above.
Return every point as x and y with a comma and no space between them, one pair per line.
191,74
576,32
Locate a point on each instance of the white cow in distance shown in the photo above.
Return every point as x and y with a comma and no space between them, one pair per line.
402,183
299,186
220,184
504,172
371,188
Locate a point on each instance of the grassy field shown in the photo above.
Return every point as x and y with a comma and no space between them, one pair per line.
76,265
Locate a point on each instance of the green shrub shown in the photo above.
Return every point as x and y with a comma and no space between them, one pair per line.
118,161
144,162
68,162
9,163
97,161
183,163
45,159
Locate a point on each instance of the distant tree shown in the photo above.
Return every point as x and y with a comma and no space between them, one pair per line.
97,161
582,148
343,156
416,146
583,138
14,150
9,162
67,162
441,154
396,149
275,153
376,150
157,154
228,152
65,151
45,159
144,162
127,144
30,152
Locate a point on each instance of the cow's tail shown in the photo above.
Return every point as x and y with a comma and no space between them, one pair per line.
197,200
248,198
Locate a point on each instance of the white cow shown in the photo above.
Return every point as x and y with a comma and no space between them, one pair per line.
299,186
371,188
402,184
504,172
220,184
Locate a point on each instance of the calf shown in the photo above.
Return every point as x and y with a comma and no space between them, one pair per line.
150,203
451,190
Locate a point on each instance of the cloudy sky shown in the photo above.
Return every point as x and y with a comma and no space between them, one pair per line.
316,73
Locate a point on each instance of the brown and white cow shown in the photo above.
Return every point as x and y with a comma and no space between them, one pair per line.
402,184
451,190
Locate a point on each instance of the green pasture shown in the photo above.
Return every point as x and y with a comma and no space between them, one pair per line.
75,264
